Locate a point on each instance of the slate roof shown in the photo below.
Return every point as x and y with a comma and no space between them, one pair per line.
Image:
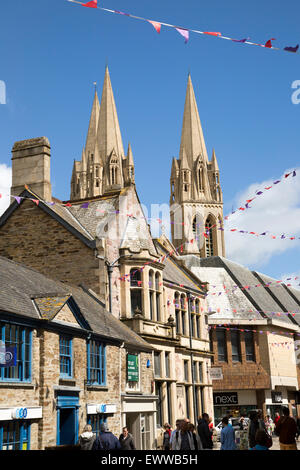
19,285
175,273
240,296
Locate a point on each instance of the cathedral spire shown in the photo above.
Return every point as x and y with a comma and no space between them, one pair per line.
109,134
192,139
93,127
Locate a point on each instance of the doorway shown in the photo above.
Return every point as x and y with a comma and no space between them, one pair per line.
67,426
67,418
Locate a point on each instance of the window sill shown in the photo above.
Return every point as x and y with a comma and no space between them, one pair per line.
91,387
17,385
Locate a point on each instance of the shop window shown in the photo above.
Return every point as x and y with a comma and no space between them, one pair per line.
135,291
95,421
222,347
65,357
249,346
96,363
18,337
235,346
14,435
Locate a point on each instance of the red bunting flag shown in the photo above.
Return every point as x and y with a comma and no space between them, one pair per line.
211,33
269,43
156,25
92,4
185,33
36,201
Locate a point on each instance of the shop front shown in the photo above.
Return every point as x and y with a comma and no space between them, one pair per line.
138,415
233,403
15,426
100,413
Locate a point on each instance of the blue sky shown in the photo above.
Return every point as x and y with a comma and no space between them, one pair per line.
53,51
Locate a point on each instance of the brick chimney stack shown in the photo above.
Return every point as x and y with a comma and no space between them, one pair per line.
31,166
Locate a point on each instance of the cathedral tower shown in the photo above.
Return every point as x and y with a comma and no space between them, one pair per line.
104,167
196,203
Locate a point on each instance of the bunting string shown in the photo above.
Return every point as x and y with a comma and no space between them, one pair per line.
226,326
185,32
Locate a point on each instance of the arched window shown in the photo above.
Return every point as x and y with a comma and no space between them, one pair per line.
209,246
157,295
200,179
135,290
177,312
151,294
183,314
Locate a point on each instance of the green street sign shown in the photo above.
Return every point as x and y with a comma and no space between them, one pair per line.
132,367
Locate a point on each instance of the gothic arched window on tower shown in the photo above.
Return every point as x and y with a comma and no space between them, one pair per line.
209,242
200,179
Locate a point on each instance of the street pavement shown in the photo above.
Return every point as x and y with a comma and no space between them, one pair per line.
275,445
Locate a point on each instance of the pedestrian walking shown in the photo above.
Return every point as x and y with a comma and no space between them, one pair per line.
261,440
126,440
106,440
269,425
277,418
86,438
167,436
286,429
298,428
227,435
253,427
196,438
204,433
174,434
183,439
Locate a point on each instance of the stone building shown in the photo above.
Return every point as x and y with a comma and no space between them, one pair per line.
134,275
251,315
161,289
75,364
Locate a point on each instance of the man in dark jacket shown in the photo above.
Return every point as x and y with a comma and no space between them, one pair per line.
106,440
253,427
204,433
126,440
286,429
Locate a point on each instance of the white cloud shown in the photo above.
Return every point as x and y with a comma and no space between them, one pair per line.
5,184
276,211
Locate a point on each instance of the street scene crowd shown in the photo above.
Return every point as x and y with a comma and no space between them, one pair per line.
254,433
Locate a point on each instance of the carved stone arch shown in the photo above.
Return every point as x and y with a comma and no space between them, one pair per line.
197,227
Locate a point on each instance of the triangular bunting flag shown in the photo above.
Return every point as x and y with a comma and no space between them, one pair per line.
185,33
211,33
92,4
156,25
269,43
